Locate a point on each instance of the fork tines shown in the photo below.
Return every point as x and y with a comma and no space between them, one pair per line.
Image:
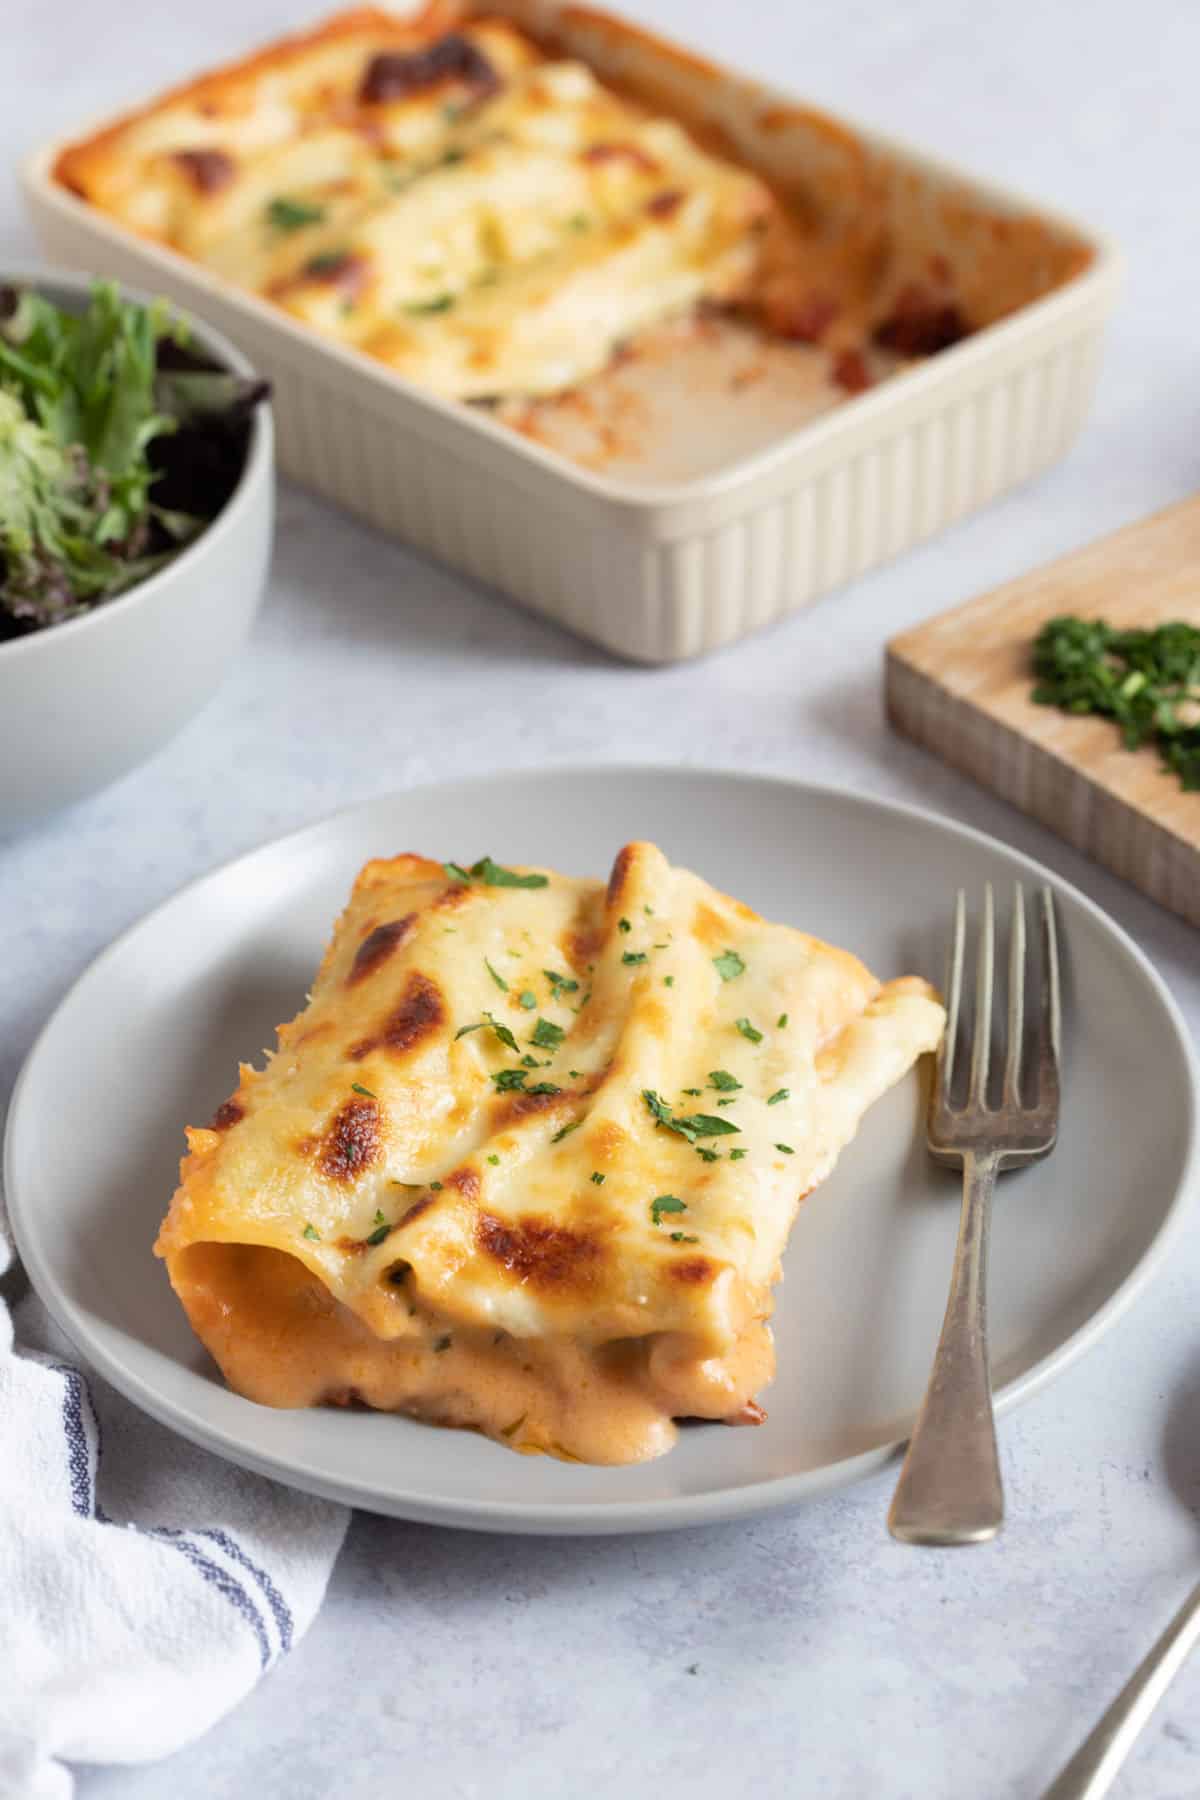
1028,1105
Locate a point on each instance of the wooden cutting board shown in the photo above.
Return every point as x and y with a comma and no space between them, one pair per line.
960,685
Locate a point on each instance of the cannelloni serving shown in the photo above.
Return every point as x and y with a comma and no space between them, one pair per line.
483,217
529,1158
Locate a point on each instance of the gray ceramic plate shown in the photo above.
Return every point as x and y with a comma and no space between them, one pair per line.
149,1038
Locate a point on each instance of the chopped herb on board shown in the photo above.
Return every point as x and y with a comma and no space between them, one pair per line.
1147,682
666,1203
749,1031
729,965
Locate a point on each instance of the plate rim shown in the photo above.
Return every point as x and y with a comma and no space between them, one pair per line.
599,1518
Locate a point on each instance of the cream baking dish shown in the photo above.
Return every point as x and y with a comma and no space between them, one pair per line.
660,569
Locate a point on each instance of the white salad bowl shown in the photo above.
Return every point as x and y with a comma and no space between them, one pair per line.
85,701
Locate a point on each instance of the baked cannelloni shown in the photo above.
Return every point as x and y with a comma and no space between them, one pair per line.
484,217
529,1158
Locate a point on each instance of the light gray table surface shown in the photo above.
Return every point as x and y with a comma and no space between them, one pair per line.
802,1655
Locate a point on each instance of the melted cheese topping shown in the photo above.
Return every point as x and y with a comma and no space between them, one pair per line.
482,219
529,1158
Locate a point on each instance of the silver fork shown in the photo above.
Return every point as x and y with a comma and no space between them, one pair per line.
949,1491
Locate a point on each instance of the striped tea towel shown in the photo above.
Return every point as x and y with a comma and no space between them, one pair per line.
145,1586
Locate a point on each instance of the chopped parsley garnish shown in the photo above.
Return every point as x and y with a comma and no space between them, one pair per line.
634,956
778,1095
510,1080
310,1231
736,1155
495,1161
528,999
781,1022
723,1080
705,1155
666,1203
729,965
290,215
624,925
498,979
683,1237
566,1131
580,222
490,873
502,1032
668,981
547,1035
435,1187
1147,682
531,1062
786,1148
443,1343
728,1101
440,303
598,1178
749,1031
691,1127
560,984
356,1087
464,1029
382,1228
695,1093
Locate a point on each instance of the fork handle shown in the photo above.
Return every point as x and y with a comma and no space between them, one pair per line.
1095,1765
949,1491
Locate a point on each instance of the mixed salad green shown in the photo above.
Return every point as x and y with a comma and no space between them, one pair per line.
118,445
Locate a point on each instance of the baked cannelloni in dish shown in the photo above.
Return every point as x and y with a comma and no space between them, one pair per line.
482,217
528,1160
